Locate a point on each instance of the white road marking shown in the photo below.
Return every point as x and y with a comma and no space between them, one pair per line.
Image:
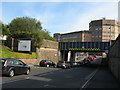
12,81
47,85
89,77
46,74
27,78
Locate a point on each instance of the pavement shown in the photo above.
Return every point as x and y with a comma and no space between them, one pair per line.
103,78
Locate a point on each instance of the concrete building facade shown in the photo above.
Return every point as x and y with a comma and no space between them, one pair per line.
79,36
102,30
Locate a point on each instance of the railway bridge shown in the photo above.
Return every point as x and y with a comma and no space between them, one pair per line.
68,49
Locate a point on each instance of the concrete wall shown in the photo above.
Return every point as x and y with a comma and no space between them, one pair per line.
114,58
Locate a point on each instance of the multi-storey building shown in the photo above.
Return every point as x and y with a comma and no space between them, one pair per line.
118,27
79,36
57,36
104,30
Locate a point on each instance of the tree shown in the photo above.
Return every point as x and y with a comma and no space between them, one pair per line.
0,28
37,38
5,29
22,27
26,28
46,35
29,28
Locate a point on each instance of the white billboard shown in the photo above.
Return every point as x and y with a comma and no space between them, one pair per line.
24,45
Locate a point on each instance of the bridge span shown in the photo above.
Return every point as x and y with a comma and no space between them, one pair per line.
68,49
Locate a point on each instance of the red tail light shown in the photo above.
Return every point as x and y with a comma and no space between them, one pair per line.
44,62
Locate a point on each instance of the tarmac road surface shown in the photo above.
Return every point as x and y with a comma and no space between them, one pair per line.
92,75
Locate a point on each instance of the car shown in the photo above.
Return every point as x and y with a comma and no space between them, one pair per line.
75,64
91,58
13,67
95,56
86,61
63,64
47,63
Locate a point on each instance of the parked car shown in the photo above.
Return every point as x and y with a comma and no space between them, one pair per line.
75,64
80,63
86,61
47,63
91,58
63,64
13,67
95,56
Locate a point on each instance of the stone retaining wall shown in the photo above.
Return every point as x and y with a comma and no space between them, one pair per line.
48,54
48,51
114,58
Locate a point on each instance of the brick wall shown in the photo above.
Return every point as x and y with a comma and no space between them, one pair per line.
29,61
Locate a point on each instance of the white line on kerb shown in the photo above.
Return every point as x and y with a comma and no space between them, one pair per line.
90,77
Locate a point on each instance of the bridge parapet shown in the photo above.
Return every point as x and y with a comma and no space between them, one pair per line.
84,46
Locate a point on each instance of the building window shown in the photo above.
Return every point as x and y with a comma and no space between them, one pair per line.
96,29
100,28
111,28
105,29
108,32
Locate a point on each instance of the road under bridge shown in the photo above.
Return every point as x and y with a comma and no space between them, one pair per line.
69,49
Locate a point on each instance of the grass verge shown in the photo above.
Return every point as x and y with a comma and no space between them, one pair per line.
8,53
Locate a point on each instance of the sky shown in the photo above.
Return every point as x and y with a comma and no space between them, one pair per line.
61,16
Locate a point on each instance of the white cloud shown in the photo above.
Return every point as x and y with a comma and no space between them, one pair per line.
81,22
110,11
